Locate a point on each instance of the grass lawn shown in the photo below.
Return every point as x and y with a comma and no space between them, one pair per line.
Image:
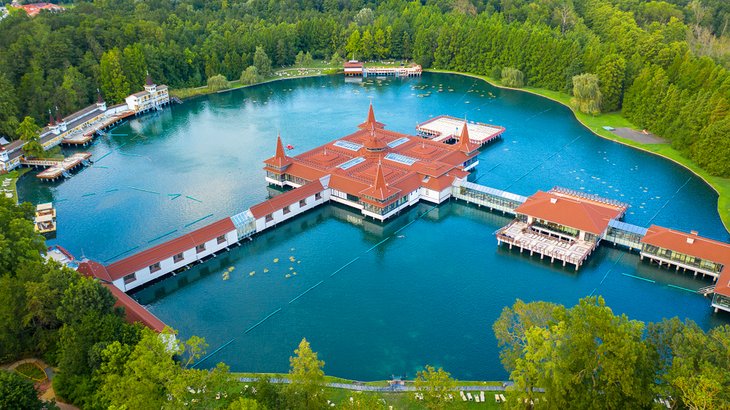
31,372
13,176
616,120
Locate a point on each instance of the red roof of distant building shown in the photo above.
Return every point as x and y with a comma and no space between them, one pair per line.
35,8
168,249
575,212
353,64
133,311
287,198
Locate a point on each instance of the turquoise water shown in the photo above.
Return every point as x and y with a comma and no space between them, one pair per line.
383,299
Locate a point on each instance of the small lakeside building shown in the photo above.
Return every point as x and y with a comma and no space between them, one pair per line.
694,253
561,224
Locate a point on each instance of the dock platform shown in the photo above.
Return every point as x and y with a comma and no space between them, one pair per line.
447,129
56,168
85,135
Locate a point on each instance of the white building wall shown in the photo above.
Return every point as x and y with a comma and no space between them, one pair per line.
294,209
168,265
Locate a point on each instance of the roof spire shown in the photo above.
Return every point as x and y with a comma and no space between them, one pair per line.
99,100
370,122
279,148
464,139
51,121
380,185
58,116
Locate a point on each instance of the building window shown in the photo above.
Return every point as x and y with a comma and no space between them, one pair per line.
130,278
302,203
269,218
317,196
200,248
286,210
221,239
154,267
177,258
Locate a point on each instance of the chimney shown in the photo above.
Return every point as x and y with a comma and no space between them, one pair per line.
553,200
690,240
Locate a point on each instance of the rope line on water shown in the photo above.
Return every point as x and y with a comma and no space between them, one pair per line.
669,200
262,320
303,293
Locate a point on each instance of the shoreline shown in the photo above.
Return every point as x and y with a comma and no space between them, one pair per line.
722,197
225,90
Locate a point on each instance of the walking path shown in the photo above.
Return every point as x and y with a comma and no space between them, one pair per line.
48,394
386,389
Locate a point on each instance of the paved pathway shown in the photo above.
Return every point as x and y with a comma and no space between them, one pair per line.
391,388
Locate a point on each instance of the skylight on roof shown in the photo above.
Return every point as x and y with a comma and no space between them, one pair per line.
351,163
347,145
401,159
397,142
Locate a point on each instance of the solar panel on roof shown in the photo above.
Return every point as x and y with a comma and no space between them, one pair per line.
351,163
397,142
401,159
347,145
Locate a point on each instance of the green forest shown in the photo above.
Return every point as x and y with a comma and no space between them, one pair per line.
664,64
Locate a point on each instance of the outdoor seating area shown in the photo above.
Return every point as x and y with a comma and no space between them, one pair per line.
522,235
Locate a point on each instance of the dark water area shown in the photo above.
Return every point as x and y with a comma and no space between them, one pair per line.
383,299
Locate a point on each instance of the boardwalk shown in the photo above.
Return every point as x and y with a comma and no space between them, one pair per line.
395,387
57,167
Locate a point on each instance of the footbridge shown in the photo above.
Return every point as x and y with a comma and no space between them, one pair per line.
492,198
625,234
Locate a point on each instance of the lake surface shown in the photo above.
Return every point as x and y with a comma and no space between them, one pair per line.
381,299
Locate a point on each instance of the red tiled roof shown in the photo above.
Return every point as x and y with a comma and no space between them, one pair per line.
370,121
133,311
465,144
94,270
170,248
353,64
380,189
279,160
694,245
680,241
574,212
287,198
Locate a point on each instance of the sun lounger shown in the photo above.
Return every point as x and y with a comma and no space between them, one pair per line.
497,399
469,396
501,396
463,396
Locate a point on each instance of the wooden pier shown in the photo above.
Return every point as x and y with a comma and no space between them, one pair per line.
83,137
57,168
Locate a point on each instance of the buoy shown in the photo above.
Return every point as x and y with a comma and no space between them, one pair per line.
292,249
287,276
289,146
266,270
225,276
276,260
299,261
231,269
291,268
252,273
293,273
